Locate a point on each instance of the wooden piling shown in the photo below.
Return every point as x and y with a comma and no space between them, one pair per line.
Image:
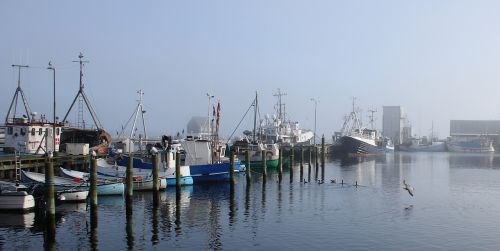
264,163
231,168
129,179
178,171
323,150
50,203
93,204
323,153
280,164
247,165
156,179
292,157
93,183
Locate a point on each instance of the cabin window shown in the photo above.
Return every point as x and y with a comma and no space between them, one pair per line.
10,130
57,131
40,131
23,131
33,130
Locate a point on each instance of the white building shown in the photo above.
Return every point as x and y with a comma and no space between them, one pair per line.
394,124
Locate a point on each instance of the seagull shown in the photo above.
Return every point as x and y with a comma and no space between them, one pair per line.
408,188
333,180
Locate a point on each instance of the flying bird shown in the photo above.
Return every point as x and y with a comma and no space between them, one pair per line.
408,188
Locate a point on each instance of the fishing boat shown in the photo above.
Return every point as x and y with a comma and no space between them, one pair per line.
470,145
204,161
142,179
27,133
423,145
14,197
256,146
141,167
66,189
279,129
105,186
204,152
355,139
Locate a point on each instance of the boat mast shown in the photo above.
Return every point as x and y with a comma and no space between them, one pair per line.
255,115
372,120
16,96
139,109
82,95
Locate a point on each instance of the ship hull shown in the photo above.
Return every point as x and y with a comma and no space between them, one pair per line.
358,146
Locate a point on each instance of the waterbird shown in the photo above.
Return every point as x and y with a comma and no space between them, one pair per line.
408,188
333,180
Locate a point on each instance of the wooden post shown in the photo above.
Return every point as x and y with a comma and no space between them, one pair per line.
156,185
178,171
301,163
93,204
231,168
93,183
280,165
323,150
292,157
310,156
264,163
247,165
323,153
50,206
129,179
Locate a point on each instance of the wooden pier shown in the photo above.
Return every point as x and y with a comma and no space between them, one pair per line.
36,163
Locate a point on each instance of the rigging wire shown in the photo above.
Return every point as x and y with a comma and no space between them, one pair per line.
237,126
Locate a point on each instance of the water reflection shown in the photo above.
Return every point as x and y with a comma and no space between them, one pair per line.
476,160
129,225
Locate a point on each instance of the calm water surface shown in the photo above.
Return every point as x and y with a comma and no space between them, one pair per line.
456,207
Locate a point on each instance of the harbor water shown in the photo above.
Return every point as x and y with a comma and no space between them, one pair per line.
454,207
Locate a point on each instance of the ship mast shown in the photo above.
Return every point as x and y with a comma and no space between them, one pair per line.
255,115
19,91
81,94
139,109
372,120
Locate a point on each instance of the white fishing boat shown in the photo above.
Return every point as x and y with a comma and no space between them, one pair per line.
278,128
14,197
104,186
255,147
66,189
142,179
25,133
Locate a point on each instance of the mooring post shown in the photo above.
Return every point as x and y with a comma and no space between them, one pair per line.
323,150
129,179
323,153
264,163
93,183
291,163
301,163
316,149
231,168
280,164
247,165
310,155
50,206
156,179
178,172
93,202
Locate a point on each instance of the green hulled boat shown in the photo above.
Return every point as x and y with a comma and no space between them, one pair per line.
272,163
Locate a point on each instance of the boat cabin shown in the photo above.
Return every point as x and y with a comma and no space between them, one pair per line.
32,137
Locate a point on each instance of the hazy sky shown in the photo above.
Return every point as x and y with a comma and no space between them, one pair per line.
440,60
